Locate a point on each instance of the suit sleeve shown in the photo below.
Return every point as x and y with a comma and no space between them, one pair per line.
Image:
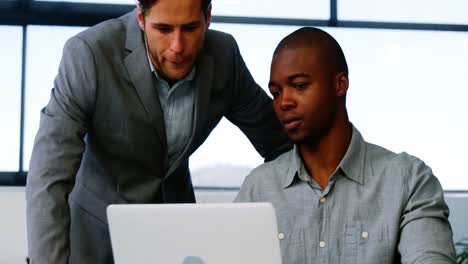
426,234
252,111
56,155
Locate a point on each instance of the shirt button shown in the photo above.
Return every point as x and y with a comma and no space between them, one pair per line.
323,199
280,236
322,244
365,234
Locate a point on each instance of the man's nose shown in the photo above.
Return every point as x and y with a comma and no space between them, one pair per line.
177,42
287,100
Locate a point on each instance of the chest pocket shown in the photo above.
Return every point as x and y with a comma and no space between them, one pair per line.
292,246
366,243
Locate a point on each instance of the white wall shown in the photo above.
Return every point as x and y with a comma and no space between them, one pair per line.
13,246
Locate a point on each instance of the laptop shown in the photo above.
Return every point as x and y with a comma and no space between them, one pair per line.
223,233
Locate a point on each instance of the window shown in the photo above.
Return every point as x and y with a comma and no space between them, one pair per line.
44,50
408,93
415,11
10,97
298,9
407,87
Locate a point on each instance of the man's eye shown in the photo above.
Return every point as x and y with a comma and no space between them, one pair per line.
164,30
275,93
300,85
190,28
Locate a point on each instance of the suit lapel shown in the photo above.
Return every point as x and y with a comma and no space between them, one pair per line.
140,73
203,84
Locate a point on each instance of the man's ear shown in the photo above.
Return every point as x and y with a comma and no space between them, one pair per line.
208,16
141,18
341,84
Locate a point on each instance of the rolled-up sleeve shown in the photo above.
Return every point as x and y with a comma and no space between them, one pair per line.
426,234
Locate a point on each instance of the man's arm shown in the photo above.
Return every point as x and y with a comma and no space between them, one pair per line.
57,153
252,111
425,232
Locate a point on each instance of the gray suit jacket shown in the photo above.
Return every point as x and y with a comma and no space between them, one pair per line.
102,138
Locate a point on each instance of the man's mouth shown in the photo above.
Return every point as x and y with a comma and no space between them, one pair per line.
176,62
291,123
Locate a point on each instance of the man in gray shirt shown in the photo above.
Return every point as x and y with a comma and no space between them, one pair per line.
339,199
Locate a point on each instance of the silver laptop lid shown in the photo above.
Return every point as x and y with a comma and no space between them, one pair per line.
221,233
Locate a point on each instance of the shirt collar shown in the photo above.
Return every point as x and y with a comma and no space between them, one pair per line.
352,164
295,163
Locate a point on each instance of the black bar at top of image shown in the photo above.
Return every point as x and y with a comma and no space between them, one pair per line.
58,13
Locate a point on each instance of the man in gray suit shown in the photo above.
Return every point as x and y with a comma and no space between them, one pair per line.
133,99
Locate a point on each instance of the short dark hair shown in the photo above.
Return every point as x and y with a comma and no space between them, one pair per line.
310,36
145,5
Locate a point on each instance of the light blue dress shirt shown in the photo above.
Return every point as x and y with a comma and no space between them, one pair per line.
379,207
177,103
